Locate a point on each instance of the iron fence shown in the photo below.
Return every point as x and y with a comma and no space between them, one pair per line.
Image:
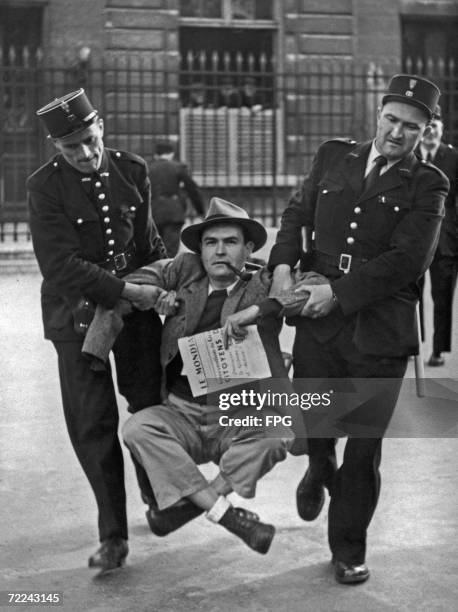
246,128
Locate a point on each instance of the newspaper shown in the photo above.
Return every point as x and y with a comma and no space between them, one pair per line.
210,367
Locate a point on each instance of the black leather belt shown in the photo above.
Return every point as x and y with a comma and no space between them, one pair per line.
118,262
343,262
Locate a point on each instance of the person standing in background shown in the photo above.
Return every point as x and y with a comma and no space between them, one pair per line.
169,179
443,269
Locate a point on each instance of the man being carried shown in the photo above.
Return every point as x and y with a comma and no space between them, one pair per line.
171,439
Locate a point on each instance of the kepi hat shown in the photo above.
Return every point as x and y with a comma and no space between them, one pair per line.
68,115
414,90
222,211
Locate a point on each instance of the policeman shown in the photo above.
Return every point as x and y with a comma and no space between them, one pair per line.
443,269
91,224
374,212
170,180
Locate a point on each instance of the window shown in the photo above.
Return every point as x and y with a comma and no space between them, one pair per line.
227,9
230,125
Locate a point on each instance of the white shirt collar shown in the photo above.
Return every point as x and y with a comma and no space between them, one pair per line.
211,288
424,151
373,154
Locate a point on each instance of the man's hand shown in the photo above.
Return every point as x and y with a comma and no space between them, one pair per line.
167,303
236,323
143,297
320,302
282,280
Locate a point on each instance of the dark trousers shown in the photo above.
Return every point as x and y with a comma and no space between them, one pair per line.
443,273
170,234
354,486
91,411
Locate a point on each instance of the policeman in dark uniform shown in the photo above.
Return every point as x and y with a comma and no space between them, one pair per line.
91,224
375,211
170,181
443,270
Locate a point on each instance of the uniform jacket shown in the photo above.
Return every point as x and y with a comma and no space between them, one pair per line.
168,179
394,227
447,160
76,220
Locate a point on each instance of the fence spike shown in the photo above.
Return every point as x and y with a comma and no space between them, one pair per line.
451,66
189,60
227,60
202,59
215,60
263,62
25,56
409,65
441,65
430,65
12,54
39,55
419,67
239,61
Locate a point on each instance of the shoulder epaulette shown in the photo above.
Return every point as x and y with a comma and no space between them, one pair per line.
429,166
117,154
40,176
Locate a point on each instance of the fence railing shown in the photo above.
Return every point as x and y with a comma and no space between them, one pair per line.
247,128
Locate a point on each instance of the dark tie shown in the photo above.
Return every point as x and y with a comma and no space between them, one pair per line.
373,175
429,157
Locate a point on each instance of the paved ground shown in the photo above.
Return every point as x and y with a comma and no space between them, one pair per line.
47,515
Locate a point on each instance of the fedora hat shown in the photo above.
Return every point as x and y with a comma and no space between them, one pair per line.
222,211
413,90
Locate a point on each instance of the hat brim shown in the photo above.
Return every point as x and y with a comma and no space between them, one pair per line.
253,230
409,101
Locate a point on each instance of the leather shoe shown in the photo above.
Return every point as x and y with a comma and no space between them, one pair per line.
247,526
436,360
345,573
309,497
110,555
163,522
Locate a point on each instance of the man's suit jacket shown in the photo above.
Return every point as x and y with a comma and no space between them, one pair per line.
185,275
392,230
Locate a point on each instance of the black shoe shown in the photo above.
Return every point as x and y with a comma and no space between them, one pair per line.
249,528
436,360
110,555
350,574
163,522
309,497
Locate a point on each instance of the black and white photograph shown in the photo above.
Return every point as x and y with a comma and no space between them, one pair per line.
229,329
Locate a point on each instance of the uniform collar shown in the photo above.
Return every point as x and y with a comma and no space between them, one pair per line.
373,154
87,180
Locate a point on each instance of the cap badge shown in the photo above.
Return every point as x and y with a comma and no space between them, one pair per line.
65,107
412,83
409,93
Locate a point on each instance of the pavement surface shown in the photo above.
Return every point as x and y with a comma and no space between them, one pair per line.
48,516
